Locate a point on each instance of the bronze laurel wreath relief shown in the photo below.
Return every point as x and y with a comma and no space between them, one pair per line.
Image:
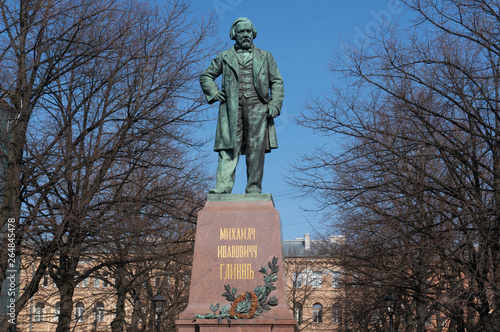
248,304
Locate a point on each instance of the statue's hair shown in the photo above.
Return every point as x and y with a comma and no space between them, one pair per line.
232,32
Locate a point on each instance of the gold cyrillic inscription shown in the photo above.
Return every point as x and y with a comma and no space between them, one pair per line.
237,233
236,271
237,251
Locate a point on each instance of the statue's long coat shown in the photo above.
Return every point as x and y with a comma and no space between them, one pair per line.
268,84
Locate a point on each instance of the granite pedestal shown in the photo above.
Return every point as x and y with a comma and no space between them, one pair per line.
236,235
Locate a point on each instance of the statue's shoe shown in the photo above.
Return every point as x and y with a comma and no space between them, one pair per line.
215,191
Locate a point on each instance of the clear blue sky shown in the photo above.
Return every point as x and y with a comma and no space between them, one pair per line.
301,35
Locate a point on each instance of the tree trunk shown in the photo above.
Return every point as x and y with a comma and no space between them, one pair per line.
121,294
66,290
66,285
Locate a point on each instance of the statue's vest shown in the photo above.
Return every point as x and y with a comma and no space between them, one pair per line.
246,85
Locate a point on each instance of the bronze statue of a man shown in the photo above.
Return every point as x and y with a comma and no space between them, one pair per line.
250,98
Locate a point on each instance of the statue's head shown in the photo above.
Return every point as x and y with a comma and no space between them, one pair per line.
243,32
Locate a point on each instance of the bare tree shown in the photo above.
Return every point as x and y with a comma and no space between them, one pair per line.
418,181
101,93
148,246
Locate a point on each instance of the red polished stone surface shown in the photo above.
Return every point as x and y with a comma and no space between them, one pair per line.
233,241
261,325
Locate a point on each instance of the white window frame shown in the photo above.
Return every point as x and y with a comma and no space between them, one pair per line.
336,313
336,278
79,312
317,279
57,311
99,312
39,312
297,279
298,312
317,313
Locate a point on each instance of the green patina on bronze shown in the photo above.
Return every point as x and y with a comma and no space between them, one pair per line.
250,97
248,304
240,198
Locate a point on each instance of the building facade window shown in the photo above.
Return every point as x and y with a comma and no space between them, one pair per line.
79,311
57,311
105,281
187,280
297,279
336,276
379,315
316,279
45,280
336,314
99,312
297,312
83,283
39,312
317,313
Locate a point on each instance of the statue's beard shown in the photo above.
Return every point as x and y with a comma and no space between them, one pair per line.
245,44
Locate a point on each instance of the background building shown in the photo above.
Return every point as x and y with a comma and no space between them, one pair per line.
314,285
322,296
95,298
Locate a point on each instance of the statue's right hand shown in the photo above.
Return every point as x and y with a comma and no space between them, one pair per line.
221,97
